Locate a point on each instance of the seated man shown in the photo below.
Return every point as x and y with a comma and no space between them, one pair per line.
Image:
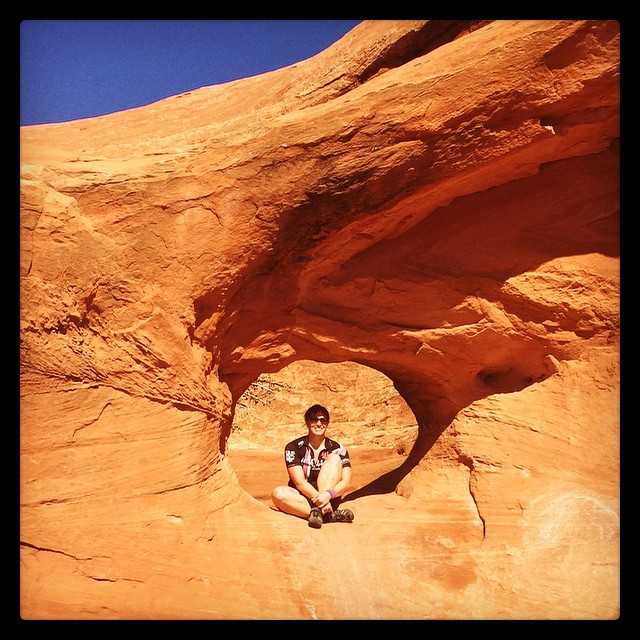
319,474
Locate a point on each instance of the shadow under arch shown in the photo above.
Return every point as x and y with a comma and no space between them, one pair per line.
417,397
388,481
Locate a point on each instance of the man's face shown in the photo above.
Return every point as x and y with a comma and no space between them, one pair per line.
317,424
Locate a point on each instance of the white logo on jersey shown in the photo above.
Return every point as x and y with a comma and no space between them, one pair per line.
300,443
289,455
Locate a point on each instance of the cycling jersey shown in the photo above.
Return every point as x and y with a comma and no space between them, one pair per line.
299,452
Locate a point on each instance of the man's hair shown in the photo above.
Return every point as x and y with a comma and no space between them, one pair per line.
316,408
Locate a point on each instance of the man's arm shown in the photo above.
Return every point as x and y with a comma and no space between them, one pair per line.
342,486
305,488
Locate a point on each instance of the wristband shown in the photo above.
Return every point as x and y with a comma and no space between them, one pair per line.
332,493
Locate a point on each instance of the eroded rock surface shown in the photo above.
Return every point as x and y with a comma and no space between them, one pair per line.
435,200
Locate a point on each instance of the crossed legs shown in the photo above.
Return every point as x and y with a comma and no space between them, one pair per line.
291,501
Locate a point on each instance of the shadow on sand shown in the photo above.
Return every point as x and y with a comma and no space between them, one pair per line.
388,482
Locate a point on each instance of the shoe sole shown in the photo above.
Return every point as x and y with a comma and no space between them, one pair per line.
315,522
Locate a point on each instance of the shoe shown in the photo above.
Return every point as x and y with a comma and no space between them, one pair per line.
315,518
339,515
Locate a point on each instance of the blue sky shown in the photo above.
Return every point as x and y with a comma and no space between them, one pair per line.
72,69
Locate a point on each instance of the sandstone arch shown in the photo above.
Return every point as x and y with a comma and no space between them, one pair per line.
436,203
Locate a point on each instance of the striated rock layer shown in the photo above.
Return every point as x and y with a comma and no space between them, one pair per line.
437,201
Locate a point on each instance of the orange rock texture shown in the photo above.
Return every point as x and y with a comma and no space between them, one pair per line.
435,200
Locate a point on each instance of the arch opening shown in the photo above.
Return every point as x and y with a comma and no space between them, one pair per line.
368,416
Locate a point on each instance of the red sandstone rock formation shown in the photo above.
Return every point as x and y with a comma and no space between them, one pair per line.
437,201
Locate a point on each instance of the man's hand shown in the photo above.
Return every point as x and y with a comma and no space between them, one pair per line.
322,499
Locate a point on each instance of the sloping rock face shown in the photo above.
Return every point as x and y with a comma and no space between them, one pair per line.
435,200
